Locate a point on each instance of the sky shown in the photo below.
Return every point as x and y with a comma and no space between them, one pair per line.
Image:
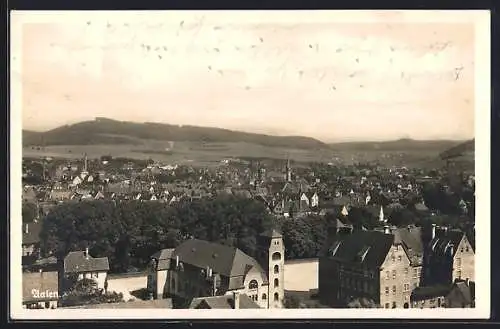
375,77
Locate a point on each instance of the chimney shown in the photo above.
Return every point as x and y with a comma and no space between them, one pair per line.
26,228
87,253
176,261
433,235
236,299
387,229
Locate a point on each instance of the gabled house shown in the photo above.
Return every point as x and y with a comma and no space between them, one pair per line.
80,265
461,295
31,242
449,256
365,264
199,268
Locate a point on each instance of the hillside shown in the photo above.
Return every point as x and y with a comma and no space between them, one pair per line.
460,150
402,145
107,131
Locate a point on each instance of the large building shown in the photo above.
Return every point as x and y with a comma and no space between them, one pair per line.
386,266
449,257
367,264
199,268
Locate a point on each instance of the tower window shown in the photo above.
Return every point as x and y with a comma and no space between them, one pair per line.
276,297
276,256
276,283
264,296
276,269
253,284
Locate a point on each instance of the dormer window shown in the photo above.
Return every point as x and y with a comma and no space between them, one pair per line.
362,254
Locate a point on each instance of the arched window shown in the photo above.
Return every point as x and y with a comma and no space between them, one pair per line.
276,297
253,284
276,269
276,256
264,296
276,283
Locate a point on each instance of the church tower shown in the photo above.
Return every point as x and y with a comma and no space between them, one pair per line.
288,175
272,257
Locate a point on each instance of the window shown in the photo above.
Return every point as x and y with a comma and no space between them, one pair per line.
406,270
264,296
393,290
47,304
393,274
406,287
467,249
276,283
276,256
387,305
459,274
459,262
387,275
415,273
393,258
400,258
387,290
462,249
393,304
276,297
253,284
276,269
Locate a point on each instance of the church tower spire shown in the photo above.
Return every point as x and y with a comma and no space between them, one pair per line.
381,216
288,170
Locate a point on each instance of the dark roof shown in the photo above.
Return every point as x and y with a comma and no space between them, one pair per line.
467,291
372,245
41,281
411,238
142,304
223,302
443,240
224,260
33,235
163,258
76,262
426,292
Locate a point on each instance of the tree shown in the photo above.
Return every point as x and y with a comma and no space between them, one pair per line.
85,291
29,212
362,302
292,302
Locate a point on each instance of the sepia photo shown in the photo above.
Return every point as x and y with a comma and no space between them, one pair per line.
260,164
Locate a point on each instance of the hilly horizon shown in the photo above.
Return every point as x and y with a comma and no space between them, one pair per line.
109,131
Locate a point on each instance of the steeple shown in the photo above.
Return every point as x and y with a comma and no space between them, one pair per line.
381,215
85,163
288,170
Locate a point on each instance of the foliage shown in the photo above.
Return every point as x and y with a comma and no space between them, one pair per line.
129,232
304,237
362,303
86,292
29,212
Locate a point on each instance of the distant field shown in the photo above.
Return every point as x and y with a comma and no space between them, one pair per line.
212,153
